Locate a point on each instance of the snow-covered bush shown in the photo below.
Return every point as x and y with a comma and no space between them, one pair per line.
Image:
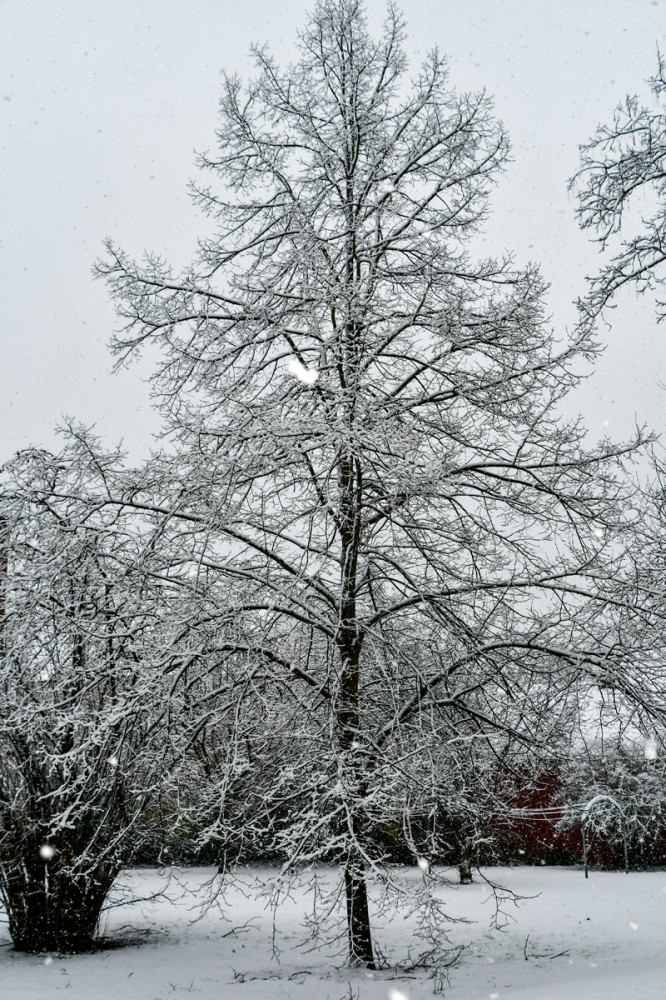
82,700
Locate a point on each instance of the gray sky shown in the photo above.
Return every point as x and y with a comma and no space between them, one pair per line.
102,106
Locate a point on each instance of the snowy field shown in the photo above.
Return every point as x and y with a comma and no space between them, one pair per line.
603,939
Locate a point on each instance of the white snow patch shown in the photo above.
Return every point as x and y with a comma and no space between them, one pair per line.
228,951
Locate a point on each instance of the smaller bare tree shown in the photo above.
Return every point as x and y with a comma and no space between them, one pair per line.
81,704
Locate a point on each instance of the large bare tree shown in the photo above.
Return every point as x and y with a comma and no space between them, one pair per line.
405,541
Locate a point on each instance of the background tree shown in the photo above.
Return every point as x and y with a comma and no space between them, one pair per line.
622,769
624,159
366,441
614,744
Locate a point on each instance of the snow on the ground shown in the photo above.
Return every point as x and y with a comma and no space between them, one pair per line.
571,939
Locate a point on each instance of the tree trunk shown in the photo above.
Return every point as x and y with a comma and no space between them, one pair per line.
465,870
358,915
51,910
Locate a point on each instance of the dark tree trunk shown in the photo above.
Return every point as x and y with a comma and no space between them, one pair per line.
358,915
50,909
348,714
465,870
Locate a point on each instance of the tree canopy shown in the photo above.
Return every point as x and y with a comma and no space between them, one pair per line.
623,161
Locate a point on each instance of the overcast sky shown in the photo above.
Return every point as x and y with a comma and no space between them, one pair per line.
103,106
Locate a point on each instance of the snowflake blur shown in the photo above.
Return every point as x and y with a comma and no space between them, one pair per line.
308,376
394,994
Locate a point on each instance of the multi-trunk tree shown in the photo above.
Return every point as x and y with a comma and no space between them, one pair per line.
402,539
83,722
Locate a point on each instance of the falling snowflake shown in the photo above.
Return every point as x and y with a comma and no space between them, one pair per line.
424,865
394,994
633,926
46,851
308,376
650,752
113,762
386,190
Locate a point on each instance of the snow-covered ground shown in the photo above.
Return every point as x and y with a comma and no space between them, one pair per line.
600,939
